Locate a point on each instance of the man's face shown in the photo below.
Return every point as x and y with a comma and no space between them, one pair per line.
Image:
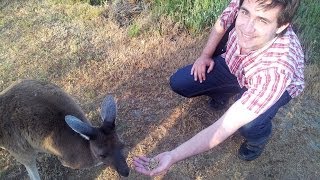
256,26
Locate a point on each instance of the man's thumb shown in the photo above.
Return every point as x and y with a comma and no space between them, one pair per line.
210,67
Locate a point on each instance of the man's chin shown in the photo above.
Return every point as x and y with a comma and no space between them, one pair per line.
245,49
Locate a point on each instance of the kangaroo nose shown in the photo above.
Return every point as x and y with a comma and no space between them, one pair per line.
124,171
121,164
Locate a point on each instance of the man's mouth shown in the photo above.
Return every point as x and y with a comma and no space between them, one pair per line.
247,36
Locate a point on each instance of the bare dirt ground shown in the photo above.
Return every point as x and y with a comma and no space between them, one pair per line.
86,53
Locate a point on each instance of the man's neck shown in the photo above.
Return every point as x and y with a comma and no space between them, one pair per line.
244,51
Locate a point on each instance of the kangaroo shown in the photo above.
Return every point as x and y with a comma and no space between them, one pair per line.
38,117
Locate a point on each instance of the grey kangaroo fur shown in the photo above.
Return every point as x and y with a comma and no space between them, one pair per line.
40,117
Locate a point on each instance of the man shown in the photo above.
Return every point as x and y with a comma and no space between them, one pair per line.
263,63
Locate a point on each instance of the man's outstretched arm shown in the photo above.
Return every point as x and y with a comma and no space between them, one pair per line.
236,116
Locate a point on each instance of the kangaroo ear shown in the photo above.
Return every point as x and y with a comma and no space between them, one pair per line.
84,129
108,110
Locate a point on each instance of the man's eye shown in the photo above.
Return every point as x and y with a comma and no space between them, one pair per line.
263,21
244,12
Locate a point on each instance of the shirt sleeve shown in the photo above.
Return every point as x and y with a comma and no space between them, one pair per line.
229,14
265,89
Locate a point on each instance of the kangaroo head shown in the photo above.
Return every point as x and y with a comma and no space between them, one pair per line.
104,142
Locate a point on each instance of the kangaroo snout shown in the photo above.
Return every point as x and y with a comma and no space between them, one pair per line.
120,163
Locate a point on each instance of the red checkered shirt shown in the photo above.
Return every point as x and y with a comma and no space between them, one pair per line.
267,72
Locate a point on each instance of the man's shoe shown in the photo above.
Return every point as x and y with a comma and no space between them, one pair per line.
248,152
218,104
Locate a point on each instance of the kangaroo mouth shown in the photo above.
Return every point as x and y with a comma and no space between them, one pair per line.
124,171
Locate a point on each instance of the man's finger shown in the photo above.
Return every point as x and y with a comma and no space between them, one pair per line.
143,171
192,70
144,158
195,75
203,74
138,163
141,160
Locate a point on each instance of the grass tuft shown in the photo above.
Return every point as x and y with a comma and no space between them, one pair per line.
134,30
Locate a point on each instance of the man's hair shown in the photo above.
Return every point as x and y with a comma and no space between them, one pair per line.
288,9
287,12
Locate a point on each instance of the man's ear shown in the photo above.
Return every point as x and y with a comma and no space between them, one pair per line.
281,28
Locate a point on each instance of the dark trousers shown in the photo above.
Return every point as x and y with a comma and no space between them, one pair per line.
220,84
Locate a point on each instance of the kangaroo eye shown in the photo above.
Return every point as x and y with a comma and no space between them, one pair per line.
102,156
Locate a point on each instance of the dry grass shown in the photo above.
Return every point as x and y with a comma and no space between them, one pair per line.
88,55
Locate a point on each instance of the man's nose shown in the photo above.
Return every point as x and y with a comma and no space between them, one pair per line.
249,27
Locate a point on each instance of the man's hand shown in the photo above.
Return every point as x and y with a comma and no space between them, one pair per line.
164,162
199,67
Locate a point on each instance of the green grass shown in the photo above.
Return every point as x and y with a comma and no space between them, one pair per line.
193,14
91,2
308,29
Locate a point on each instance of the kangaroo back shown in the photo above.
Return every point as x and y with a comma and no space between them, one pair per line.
36,111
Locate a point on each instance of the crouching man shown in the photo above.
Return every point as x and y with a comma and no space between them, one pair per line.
263,64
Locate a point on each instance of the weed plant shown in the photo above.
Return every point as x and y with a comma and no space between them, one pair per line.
194,14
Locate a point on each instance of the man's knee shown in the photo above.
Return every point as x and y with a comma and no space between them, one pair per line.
181,82
177,85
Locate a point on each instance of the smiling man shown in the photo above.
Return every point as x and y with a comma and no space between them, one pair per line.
262,64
